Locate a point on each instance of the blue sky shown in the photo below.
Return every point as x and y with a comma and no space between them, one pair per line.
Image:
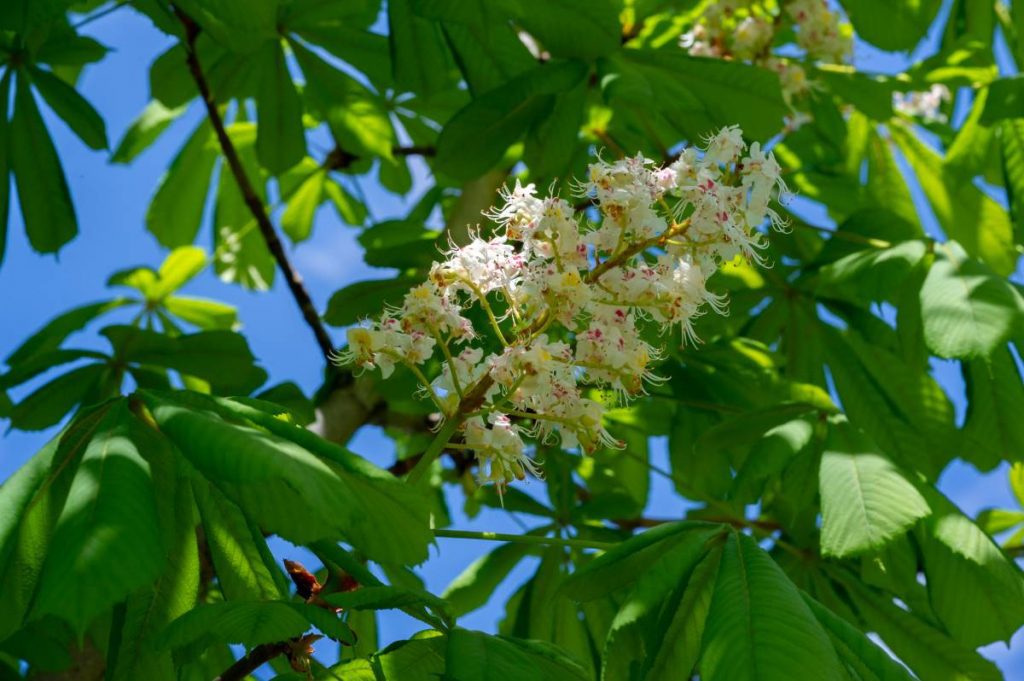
111,202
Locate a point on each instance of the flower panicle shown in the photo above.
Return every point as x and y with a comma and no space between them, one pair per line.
567,298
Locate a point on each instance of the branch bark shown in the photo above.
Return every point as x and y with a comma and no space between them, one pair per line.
256,658
249,195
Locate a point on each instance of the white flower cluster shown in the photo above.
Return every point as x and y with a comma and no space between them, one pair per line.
926,105
745,30
564,296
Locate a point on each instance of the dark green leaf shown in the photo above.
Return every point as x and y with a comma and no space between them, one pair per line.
145,130
476,138
759,626
106,542
71,107
43,193
281,138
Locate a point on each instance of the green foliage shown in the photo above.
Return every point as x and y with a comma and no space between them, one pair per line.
806,434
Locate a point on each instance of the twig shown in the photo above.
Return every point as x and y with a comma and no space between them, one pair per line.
255,659
252,200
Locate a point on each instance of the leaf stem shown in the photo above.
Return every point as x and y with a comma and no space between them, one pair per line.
436,447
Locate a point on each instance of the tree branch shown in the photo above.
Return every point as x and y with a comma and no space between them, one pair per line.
256,658
249,195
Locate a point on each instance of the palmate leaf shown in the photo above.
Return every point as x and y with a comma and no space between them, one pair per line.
865,500
968,311
475,656
626,562
281,138
31,501
759,627
965,213
993,430
862,657
106,542
928,651
891,27
974,589
235,547
473,587
248,622
43,192
148,612
145,130
73,109
476,138
302,488
176,210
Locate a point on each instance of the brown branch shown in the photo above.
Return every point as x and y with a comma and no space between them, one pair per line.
255,659
249,195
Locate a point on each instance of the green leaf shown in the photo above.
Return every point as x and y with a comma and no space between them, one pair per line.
759,627
38,364
974,589
865,500
5,161
551,143
106,542
170,81
972,150
297,219
891,27
993,430
385,598
677,650
175,591
1005,99
221,358
302,487
356,117
179,267
71,107
697,96
473,587
475,656
476,138
627,561
487,50
872,274
928,651
366,298
31,501
867,660
47,405
176,211
350,209
251,623
965,213
234,547
281,138
419,58
401,244
585,29
53,334
145,130
968,311
421,659
208,315
1011,146
43,193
